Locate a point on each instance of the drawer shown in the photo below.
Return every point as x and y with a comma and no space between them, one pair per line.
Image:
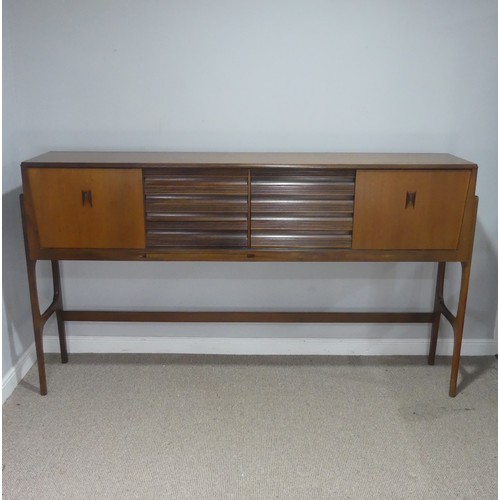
194,207
409,210
88,207
302,208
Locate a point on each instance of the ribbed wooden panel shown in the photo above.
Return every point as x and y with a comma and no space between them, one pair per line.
302,208
291,206
196,207
329,224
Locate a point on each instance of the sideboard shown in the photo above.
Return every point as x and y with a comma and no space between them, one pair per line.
325,207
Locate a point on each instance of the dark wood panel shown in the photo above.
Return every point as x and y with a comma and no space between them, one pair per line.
206,225
213,182
302,208
190,204
249,317
199,208
199,172
196,216
303,189
296,207
264,223
291,175
201,188
310,239
195,239
303,184
299,174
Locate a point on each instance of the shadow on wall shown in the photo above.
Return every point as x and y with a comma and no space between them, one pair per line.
19,328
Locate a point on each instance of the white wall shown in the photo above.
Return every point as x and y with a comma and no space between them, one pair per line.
285,75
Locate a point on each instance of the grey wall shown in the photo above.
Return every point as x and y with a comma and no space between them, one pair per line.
403,76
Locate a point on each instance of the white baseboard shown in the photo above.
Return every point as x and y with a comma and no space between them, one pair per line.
249,346
262,346
17,372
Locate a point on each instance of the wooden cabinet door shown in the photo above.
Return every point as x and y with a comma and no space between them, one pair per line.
88,207
409,210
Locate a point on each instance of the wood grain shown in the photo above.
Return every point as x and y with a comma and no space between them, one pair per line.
115,219
150,159
250,316
384,220
199,208
302,208
208,254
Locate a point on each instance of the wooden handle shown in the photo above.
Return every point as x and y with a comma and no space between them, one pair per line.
410,199
86,196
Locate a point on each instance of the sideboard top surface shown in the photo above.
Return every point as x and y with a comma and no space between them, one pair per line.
329,160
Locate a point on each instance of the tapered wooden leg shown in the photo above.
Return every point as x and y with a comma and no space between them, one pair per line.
56,278
437,312
37,325
458,327
39,319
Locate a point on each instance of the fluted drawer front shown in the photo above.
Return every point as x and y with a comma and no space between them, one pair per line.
196,207
306,224
292,206
310,208
295,239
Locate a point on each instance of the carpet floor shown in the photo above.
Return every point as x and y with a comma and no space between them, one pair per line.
134,426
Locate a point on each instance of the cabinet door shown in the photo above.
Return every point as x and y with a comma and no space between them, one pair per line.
409,210
88,207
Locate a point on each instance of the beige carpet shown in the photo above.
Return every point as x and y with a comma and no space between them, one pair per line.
221,427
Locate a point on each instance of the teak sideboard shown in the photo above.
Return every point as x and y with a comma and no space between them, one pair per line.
324,207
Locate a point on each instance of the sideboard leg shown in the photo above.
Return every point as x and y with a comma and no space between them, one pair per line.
38,318
38,324
458,327
56,277
437,311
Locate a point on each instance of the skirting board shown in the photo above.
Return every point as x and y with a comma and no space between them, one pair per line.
263,346
250,346
17,372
